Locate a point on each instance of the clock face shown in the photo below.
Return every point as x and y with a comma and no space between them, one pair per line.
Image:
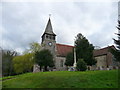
50,44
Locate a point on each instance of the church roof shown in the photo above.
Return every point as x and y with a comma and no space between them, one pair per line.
103,51
49,29
63,50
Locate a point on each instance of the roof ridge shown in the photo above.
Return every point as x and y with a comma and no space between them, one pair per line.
65,45
106,47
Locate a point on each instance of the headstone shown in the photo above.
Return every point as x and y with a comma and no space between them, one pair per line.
72,69
101,68
110,67
107,68
36,68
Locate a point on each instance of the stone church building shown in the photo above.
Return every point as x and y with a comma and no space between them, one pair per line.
59,51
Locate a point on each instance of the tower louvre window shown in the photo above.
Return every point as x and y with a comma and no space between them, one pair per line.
47,36
53,37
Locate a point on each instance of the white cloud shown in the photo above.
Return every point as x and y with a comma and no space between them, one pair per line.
60,0
25,22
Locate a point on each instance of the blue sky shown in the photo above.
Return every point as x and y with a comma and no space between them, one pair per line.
25,22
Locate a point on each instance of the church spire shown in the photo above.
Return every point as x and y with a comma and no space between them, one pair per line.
49,29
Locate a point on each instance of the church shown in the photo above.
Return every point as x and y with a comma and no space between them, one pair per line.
59,51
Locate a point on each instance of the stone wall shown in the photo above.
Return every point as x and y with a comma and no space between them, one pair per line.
101,61
60,63
106,62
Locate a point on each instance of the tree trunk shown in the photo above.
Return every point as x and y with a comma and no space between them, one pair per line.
40,68
45,68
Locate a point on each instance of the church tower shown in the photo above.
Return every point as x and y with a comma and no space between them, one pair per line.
49,39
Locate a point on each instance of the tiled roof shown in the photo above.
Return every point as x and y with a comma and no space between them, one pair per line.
63,50
102,51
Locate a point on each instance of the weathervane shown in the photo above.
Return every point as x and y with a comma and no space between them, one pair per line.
49,15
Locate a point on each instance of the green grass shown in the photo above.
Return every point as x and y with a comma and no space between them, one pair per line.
8,77
64,79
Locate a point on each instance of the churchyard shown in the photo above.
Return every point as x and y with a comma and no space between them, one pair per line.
62,62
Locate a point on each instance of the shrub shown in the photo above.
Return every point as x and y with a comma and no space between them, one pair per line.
81,65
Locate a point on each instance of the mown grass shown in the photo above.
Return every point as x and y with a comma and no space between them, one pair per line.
64,79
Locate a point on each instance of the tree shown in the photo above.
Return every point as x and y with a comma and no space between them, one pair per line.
33,47
69,59
44,58
84,49
23,63
7,65
81,65
116,52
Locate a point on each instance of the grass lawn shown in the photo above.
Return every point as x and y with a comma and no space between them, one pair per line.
64,79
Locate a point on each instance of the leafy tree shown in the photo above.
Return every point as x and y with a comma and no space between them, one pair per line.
44,58
23,63
116,52
33,47
69,59
84,49
18,64
81,65
7,65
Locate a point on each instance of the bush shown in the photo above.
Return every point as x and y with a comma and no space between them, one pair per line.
81,65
